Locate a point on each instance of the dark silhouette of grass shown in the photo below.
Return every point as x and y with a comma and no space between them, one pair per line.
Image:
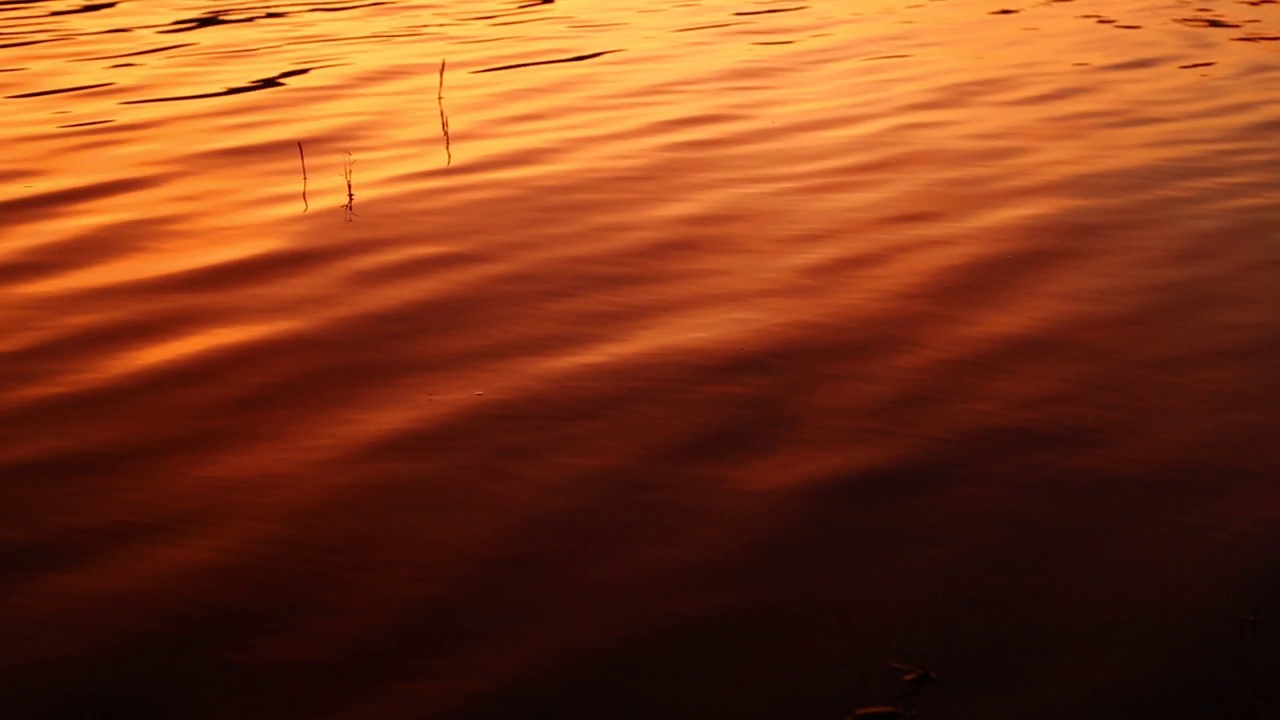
303,158
349,207
444,118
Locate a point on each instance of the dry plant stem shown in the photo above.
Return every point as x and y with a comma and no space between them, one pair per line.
305,205
444,119
347,166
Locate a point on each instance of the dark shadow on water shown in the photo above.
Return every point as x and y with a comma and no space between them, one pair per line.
87,123
216,18
274,81
91,7
136,53
58,91
575,58
771,11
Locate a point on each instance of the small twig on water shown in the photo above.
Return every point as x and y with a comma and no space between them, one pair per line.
350,207
305,205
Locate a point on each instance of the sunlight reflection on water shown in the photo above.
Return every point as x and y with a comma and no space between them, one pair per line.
482,359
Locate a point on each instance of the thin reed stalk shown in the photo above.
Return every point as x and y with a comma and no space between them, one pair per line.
303,158
444,118
348,167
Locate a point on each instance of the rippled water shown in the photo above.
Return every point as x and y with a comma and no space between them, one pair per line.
638,359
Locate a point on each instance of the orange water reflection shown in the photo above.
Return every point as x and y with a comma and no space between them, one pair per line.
719,352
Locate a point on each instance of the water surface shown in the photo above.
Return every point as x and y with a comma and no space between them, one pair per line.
653,359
